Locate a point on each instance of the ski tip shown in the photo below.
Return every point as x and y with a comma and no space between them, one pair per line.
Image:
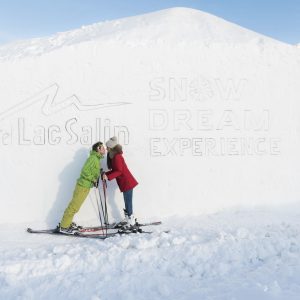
29,230
149,223
157,223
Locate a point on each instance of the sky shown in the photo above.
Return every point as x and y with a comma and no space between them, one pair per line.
24,19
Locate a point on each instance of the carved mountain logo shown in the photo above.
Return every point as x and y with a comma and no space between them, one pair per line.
51,104
24,131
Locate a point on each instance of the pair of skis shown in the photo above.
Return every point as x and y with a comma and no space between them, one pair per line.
99,232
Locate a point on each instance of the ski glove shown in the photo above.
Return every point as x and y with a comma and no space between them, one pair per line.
103,175
96,183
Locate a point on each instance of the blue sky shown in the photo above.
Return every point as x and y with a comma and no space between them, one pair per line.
22,19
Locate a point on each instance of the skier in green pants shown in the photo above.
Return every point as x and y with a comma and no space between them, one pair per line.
89,177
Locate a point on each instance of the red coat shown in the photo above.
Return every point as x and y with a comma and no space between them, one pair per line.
119,170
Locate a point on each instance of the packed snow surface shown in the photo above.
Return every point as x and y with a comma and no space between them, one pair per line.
246,254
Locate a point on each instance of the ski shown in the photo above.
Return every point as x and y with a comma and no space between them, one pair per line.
115,226
30,230
97,235
56,232
94,236
149,223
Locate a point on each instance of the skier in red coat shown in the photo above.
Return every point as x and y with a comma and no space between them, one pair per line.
125,180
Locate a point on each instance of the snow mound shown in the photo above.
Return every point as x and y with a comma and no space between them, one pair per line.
192,27
211,104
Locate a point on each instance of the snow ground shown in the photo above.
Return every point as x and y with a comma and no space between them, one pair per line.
238,254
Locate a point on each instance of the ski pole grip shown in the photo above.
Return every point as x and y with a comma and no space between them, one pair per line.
101,173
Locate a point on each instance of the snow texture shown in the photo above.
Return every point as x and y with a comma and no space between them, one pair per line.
243,255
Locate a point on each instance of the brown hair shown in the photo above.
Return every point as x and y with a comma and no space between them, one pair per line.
96,146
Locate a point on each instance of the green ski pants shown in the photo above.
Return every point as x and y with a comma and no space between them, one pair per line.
79,195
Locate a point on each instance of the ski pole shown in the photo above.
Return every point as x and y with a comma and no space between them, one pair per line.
99,213
104,185
104,213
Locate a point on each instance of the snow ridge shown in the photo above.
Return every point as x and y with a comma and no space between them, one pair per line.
175,26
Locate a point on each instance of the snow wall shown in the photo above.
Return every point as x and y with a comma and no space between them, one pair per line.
207,112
